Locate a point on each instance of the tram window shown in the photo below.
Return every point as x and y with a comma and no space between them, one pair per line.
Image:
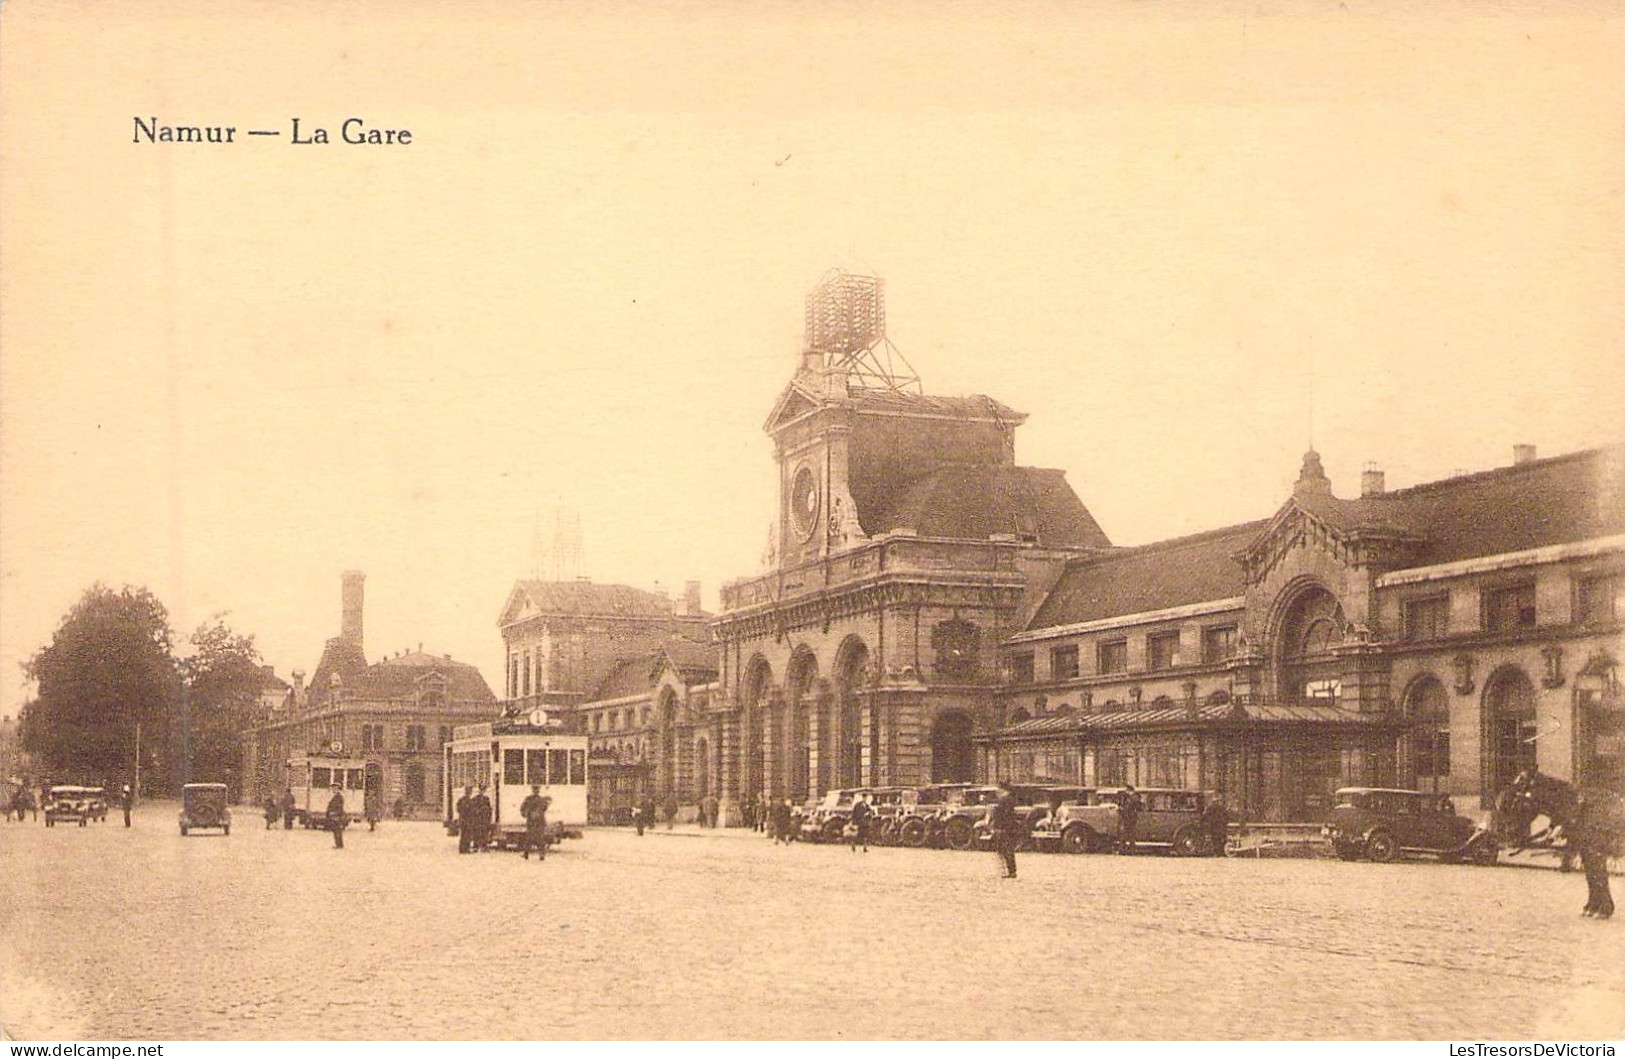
321,777
513,767
578,766
536,763
558,767
356,779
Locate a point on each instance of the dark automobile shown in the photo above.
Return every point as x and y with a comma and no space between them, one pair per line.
1380,823
203,805
69,802
1035,803
920,820
1167,817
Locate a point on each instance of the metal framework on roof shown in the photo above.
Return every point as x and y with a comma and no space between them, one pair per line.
846,327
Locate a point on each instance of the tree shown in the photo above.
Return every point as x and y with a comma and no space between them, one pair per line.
223,680
109,667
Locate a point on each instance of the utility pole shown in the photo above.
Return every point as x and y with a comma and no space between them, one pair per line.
135,787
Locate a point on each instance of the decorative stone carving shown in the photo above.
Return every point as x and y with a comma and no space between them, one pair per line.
1553,678
1463,664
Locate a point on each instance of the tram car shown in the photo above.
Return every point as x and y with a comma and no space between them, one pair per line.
509,756
313,777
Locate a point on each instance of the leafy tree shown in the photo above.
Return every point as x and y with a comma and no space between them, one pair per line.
221,698
109,666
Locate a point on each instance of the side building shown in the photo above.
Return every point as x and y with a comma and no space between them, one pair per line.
1442,636
396,713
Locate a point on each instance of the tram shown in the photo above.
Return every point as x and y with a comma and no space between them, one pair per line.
313,777
509,756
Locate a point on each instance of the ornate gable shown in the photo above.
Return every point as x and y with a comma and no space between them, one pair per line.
1292,527
795,402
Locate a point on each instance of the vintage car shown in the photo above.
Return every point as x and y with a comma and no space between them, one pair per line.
826,820
1080,824
97,810
204,805
1168,818
1034,803
1380,823
919,821
954,824
69,802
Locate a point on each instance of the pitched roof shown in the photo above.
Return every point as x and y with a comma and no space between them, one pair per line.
586,597
1170,573
971,406
394,678
1173,716
976,501
691,658
628,676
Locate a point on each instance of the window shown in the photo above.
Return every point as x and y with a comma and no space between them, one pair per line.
415,737
558,766
1021,668
578,767
1509,608
1219,643
1063,662
1426,619
445,734
536,765
1595,599
598,722
1324,690
1433,754
321,777
513,767
372,737
1113,657
1162,650
527,672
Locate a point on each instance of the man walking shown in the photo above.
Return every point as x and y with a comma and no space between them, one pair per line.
671,810
125,800
337,818
483,815
1216,822
372,807
1128,816
465,820
534,810
1006,829
861,814
287,809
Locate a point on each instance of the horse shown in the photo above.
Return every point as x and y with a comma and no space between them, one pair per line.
1592,821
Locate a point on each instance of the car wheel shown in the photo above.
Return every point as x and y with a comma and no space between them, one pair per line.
1381,847
1346,851
1077,839
913,833
887,835
959,834
1186,842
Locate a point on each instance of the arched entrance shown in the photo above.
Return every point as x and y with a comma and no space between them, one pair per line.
953,754
668,742
1311,628
798,742
1509,728
1424,746
851,678
758,678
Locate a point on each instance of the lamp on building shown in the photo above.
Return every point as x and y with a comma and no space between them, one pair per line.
1553,677
1463,664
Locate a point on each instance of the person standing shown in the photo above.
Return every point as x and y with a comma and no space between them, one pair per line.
287,809
1128,817
1006,829
465,821
779,820
671,810
646,811
1216,822
125,800
272,810
483,818
337,818
534,810
372,805
861,815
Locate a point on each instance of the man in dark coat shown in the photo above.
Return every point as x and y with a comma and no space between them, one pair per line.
648,811
287,809
273,809
1128,817
781,821
861,815
1006,825
465,821
337,818
483,817
534,810
125,800
671,809
1216,822
372,807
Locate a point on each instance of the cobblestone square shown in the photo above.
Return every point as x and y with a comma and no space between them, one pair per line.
140,934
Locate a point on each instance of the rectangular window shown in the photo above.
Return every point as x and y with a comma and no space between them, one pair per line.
366,737
1433,754
356,779
1509,608
578,767
513,767
1595,599
1426,619
445,734
536,766
1162,650
1113,657
1325,690
1219,643
558,767
321,777
1063,662
1021,668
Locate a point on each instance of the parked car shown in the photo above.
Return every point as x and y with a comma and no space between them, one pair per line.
1083,823
203,805
1034,803
1380,823
68,802
1168,817
97,809
826,820
954,825
920,820
890,803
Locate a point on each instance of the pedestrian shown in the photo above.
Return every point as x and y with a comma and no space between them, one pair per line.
465,821
793,832
647,811
287,809
534,810
125,801
483,817
671,809
31,804
1216,822
19,804
779,821
1006,829
372,806
272,811
337,818
1128,815
637,819
861,814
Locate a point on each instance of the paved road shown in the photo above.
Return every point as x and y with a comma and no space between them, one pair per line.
140,934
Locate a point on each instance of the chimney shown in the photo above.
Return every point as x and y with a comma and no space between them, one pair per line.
691,597
1371,480
298,680
354,600
1522,454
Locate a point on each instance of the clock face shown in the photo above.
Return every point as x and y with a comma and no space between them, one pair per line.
804,502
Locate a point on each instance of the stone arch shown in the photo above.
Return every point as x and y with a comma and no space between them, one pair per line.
754,701
953,751
1508,727
1307,625
852,678
800,697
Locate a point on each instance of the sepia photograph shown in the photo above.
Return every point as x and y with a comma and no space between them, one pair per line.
709,521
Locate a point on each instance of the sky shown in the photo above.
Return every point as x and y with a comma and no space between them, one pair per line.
1186,239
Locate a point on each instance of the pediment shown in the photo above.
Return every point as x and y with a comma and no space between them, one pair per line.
517,606
795,402
1292,527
